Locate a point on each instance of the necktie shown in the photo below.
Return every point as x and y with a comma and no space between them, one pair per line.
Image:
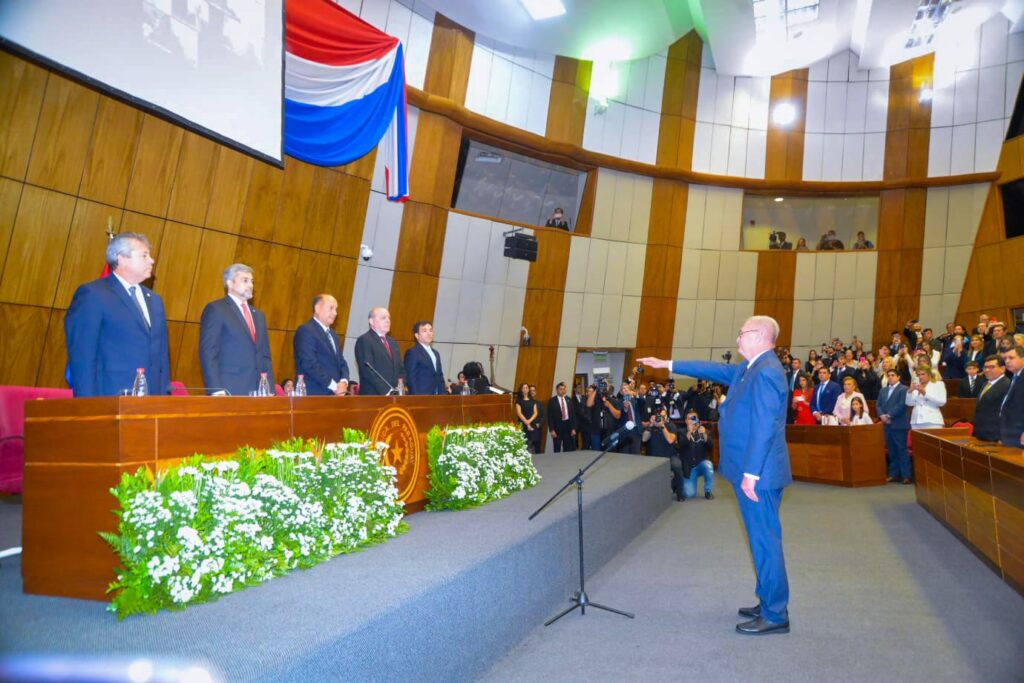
330,340
565,413
970,382
248,321
821,391
138,304
984,389
1008,392
387,347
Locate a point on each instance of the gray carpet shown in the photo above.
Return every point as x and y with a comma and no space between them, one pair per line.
880,591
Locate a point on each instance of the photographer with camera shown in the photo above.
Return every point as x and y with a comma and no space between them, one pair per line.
630,412
777,240
661,439
693,460
604,412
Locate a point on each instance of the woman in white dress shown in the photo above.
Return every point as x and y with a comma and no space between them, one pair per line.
926,397
859,412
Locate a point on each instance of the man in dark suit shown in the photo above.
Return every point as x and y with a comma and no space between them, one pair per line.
631,439
115,326
971,385
1011,411
990,399
892,411
318,351
233,346
843,371
823,400
562,420
754,459
376,351
423,364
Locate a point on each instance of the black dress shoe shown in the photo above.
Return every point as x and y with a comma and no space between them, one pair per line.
761,627
750,612
709,495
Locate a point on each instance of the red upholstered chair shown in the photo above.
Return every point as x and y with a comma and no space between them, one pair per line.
178,389
12,431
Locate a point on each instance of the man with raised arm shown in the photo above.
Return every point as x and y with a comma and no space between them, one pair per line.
754,459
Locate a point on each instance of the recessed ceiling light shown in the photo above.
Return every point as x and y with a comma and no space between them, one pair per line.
779,199
784,114
543,9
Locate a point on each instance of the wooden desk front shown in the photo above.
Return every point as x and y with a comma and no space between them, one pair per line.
77,449
976,489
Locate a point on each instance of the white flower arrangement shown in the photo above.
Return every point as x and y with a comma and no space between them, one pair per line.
207,528
473,465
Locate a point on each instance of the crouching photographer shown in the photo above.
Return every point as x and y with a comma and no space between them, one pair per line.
693,460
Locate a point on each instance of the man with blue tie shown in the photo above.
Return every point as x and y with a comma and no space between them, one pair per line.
318,351
823,400
892,411
1011,411
115,325
423,372
754,459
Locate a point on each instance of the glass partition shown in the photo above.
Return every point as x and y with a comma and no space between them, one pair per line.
809,223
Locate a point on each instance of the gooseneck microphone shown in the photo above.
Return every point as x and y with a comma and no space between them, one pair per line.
391,389
612,439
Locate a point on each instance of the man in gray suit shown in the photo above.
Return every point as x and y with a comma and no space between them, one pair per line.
377,357
233,345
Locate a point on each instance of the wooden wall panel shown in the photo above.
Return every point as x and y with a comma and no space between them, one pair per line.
784,155
567,104
413,297
62,135
451,51
23,85
201,205
679,103
33,257
774,290
908,126
108,166
542,310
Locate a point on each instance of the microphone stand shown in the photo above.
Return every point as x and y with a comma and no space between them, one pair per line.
391,390
580,598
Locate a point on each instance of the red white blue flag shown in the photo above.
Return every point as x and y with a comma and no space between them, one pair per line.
344,85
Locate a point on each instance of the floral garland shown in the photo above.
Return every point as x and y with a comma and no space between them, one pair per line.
210,527
470,466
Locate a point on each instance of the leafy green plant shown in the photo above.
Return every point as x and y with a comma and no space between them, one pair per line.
473,465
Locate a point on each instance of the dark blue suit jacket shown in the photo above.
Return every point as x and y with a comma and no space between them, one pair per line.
107,340
827,402
229,358
895,408
317,360
752,420
1011,415
420,376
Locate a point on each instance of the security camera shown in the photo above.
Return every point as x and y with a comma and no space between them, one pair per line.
365,252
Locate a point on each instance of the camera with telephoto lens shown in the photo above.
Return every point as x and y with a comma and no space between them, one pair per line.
773,237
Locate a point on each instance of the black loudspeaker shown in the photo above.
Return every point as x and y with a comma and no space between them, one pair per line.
1013,208
521,246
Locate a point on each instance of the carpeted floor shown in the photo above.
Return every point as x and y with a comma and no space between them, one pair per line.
880,592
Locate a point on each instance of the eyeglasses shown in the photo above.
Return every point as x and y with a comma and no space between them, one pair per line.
743,332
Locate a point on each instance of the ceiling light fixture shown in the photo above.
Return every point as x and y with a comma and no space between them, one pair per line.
543,9
779,199
784,114
925,95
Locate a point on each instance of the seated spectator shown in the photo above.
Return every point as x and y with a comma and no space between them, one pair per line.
972,384
841,411
925,399
801,401
694,460
859,413
557,220
801,245
863,242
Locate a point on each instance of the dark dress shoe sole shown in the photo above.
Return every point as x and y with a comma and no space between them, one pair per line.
709,496
749,612
760,627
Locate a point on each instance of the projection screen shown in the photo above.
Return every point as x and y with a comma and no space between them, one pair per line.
214,66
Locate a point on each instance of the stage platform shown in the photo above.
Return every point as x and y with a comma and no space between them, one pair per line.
442,602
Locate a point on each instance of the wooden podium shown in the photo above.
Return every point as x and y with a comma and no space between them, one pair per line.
77,449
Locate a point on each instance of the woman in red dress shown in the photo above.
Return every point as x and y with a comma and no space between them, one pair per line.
802,401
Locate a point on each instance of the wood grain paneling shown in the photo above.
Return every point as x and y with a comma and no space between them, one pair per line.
413,297
216,253
230,190
10,196
451,50
23,85
322,213
53,361
62,136
36,245
22,328
679,103
296,196
774,290
192,185
85,253
179,258
351,216
108,166
262,202
908,125
156,162
567,104
784,156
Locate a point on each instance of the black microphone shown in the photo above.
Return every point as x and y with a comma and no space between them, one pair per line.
391,389
612,439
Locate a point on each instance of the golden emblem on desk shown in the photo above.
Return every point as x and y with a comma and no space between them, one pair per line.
395,427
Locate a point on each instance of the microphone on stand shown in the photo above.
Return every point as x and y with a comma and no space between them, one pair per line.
391,389
613,439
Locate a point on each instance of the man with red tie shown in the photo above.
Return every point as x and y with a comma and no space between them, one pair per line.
377,357
562,421
233,345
